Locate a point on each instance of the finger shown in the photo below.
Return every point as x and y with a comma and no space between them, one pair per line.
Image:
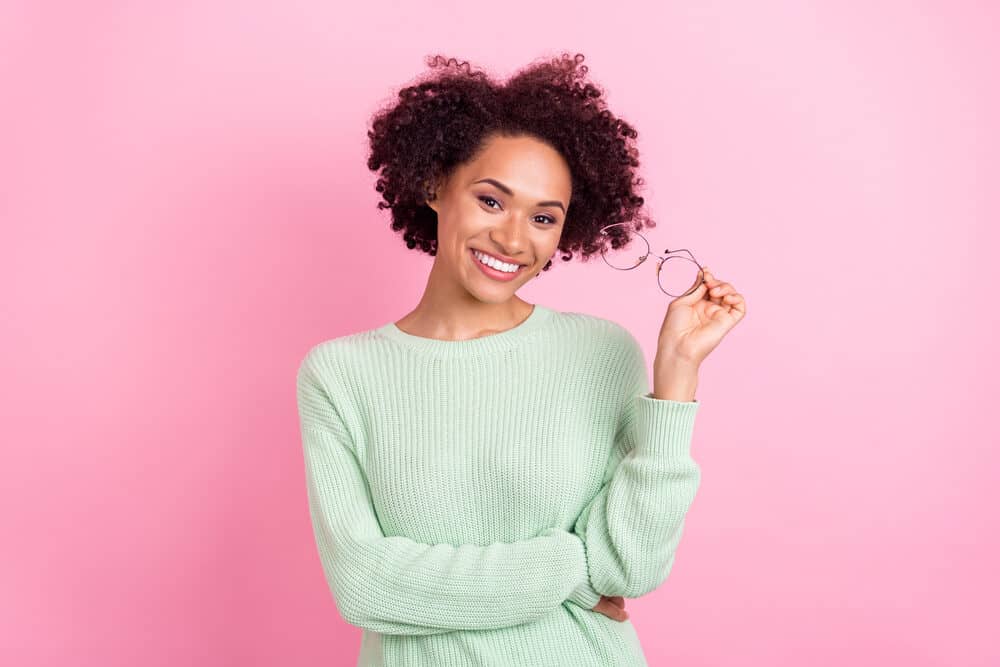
711,284
612,611
617,600
738,308
710,278
721,289
717,292
694,297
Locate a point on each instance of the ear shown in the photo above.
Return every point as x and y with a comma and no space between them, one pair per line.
431,188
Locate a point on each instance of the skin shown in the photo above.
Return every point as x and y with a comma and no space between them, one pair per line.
460,302
693,326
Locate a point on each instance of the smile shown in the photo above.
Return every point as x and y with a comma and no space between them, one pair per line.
493,267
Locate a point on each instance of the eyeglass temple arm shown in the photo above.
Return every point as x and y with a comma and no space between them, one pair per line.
668,251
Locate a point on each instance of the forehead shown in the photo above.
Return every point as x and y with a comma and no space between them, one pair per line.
530,167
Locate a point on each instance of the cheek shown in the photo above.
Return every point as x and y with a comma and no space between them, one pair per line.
549,245
451,229
457,217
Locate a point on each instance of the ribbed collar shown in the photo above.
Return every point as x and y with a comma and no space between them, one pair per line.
456,348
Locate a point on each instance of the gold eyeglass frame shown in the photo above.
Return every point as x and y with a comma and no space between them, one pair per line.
660,261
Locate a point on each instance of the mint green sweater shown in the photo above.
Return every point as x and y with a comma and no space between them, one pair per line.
471,500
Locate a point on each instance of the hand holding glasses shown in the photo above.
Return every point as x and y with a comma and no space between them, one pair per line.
692,328
676,276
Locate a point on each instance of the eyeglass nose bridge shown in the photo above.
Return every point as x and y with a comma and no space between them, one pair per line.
661,260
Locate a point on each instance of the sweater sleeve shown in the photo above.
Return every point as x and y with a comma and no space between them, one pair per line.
395,585
632,526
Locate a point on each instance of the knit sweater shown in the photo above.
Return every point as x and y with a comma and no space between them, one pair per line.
472,500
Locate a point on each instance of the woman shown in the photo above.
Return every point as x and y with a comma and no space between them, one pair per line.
488,479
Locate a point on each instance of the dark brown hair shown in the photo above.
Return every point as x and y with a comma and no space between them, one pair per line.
443,119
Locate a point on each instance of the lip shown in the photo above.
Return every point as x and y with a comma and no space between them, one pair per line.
500,276
502,258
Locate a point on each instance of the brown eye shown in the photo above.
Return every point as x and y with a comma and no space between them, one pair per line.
545,218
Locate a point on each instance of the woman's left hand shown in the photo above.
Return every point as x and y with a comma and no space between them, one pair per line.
695,324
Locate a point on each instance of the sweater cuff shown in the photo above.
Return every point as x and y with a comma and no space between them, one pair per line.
664,426
584,594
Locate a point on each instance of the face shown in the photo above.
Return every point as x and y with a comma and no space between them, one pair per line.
509,201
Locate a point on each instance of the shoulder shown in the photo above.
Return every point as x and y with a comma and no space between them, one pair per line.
602,331
335,357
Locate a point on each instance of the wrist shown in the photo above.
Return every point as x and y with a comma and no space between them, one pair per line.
583,594
674,379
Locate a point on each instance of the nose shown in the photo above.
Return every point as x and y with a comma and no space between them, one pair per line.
510,237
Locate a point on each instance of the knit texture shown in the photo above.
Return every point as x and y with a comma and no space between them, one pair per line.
472,500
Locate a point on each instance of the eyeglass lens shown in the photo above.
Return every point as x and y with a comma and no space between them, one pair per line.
678,275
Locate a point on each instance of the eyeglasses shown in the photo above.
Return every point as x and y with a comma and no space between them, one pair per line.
672,273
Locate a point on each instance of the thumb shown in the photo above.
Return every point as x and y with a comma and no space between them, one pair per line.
699,292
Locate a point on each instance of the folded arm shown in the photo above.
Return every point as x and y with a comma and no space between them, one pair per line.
632,526
395,585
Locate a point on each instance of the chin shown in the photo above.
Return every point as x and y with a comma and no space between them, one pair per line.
495,297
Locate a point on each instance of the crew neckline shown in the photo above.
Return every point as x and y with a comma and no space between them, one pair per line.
496,341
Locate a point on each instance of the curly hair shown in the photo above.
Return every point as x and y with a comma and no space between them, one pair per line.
443,119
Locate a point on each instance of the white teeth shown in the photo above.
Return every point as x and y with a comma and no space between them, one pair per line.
495,263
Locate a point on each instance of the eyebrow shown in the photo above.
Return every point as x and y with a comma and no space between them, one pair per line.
510,192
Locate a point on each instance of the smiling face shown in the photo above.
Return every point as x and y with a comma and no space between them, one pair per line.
510,202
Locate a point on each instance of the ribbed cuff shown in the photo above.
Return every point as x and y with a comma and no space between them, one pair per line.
664,426
583,593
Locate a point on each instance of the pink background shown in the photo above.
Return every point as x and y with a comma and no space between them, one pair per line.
186,210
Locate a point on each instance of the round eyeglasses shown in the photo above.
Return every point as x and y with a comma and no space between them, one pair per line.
676,275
